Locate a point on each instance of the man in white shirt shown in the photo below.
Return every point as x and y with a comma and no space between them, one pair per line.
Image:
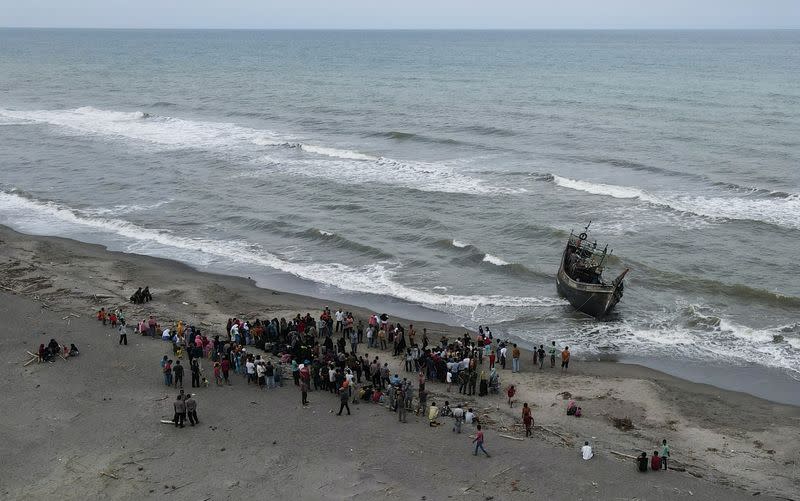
586,451
251,371
339,318
458,415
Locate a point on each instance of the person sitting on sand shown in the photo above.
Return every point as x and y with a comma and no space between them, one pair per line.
655,461
146,295
136,297
641,462
586,451
73,350
571,408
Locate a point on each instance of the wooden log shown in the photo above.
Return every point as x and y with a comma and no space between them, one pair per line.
509,436
29,362
559,435
109,475
623,455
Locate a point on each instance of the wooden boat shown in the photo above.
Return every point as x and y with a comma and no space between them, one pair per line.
580,277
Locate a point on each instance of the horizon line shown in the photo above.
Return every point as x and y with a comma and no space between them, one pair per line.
198,28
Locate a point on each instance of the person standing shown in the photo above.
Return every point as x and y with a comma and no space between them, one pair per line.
151,326
478,441
527,419
511,392
225,366
123,334
515,353
304,392
343,397
194,366
541,354
553,351
168,373
565,359
664,453
191,409
178,371
401,404
458,415
180,412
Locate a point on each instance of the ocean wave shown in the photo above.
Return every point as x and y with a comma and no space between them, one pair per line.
414,137
460,245
331,238
488,258
777,211
337,164
30,214
124,209
687,332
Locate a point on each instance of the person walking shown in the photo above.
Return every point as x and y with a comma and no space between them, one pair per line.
527,419
511,392
191,409
123,334
343,397
178,371
180,412
478,441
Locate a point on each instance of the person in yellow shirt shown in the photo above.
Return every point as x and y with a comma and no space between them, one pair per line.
433,414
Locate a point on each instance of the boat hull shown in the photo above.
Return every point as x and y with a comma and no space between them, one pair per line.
596,300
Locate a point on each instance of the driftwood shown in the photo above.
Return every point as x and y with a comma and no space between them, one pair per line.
109,475
165,421
509,436
559,435
623,455
29,362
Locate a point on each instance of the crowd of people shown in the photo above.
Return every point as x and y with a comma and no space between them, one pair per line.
328,354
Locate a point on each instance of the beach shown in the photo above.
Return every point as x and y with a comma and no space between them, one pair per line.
90,426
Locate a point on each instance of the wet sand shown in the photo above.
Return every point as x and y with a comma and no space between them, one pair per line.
89,426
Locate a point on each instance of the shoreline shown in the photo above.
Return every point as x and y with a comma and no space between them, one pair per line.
770,384
726,438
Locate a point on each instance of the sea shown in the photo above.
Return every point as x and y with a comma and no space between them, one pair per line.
438,174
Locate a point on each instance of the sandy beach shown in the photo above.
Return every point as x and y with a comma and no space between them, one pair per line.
89,427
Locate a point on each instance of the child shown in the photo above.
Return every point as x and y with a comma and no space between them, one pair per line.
511,392
217,373
101,315
478,441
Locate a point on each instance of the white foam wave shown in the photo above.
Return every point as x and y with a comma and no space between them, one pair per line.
124,209
34,216
339,165
420,176
779,211
488,258
325,233
336,153
458,244
691,332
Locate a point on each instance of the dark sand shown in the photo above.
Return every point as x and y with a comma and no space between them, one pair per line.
65,423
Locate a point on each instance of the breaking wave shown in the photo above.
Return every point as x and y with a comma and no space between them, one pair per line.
776,210
36,216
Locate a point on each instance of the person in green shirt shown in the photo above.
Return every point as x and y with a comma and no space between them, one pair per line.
664,454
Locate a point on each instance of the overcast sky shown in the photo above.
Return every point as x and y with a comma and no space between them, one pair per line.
387,14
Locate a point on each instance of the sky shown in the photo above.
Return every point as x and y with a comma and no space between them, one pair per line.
402,14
